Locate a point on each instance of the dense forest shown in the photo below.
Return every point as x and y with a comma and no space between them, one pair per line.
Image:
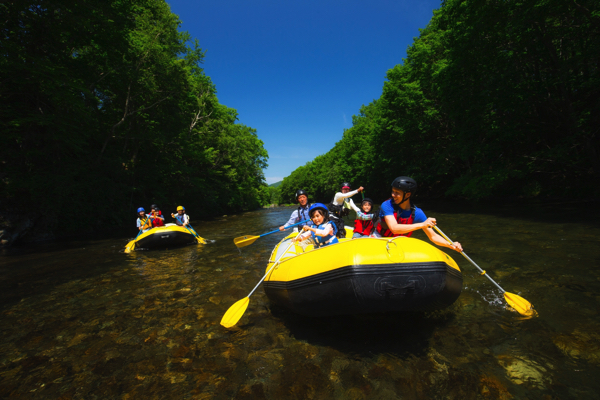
104,107
495,98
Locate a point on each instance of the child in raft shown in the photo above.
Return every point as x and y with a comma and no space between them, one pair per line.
321,229
156,216
181,218
365,222
143,222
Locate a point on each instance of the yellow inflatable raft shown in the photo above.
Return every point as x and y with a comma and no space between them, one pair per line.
170,235
366,275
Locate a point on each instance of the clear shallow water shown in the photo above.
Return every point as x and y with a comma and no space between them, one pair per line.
84,320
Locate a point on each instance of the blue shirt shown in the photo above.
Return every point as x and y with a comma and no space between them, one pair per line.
300,214
388,207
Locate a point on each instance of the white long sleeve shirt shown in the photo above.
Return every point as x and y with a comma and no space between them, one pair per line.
340,199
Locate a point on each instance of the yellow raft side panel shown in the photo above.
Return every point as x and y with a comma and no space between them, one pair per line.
165,229
299,263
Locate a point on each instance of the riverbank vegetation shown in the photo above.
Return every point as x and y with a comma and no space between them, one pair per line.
494,98
104,107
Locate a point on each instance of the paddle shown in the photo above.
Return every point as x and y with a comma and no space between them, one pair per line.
131,245
244,241
521,305
235,312
193,232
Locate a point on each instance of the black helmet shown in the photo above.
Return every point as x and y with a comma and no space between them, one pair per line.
406,184
155,207
300,193
367,200
343,185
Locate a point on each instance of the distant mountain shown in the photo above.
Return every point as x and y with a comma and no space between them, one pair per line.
276,184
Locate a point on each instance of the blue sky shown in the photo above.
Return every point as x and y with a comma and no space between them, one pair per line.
297,71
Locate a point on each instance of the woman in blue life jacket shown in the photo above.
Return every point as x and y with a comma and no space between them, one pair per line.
400,217
144,223
301,214
321,229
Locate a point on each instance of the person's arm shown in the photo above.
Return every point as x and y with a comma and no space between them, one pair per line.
400,229
326,230
186,219
339,197
363,217
354,207
302,236
440,241
293,219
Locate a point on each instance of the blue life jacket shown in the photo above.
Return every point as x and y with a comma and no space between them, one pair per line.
324,240
303,215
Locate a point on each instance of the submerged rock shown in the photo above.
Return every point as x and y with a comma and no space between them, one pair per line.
583,343
522,370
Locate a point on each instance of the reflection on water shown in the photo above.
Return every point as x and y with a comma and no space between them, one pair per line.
84,320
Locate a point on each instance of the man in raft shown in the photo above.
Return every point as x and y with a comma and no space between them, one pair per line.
301,214
181,218
398,217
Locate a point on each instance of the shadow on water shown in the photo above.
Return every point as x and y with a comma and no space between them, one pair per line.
38,269
403,335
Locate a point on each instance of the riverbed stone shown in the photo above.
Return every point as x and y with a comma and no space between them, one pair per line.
525,371
582,343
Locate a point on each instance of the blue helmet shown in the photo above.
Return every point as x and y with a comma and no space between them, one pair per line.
141,209
319,206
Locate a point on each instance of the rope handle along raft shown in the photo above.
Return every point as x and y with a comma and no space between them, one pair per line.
521,305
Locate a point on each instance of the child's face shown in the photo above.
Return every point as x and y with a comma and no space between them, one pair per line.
317,218
366,207
141,214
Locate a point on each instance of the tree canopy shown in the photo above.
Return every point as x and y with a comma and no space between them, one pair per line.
104,106
494,98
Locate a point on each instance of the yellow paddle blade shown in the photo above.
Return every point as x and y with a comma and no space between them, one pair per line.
521,305
235,312
243,241
200,240
130,246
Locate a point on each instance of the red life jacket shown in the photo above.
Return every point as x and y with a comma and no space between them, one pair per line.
158,221
387,233
363,227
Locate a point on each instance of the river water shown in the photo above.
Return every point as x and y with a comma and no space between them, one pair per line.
81,319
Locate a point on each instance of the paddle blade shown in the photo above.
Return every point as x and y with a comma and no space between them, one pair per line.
521,305
130,246
235,312
243,241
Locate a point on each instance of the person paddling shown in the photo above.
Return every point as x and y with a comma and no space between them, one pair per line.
340,207
321,230
156,216
364,223
181,218
301,214
399,217
143,222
